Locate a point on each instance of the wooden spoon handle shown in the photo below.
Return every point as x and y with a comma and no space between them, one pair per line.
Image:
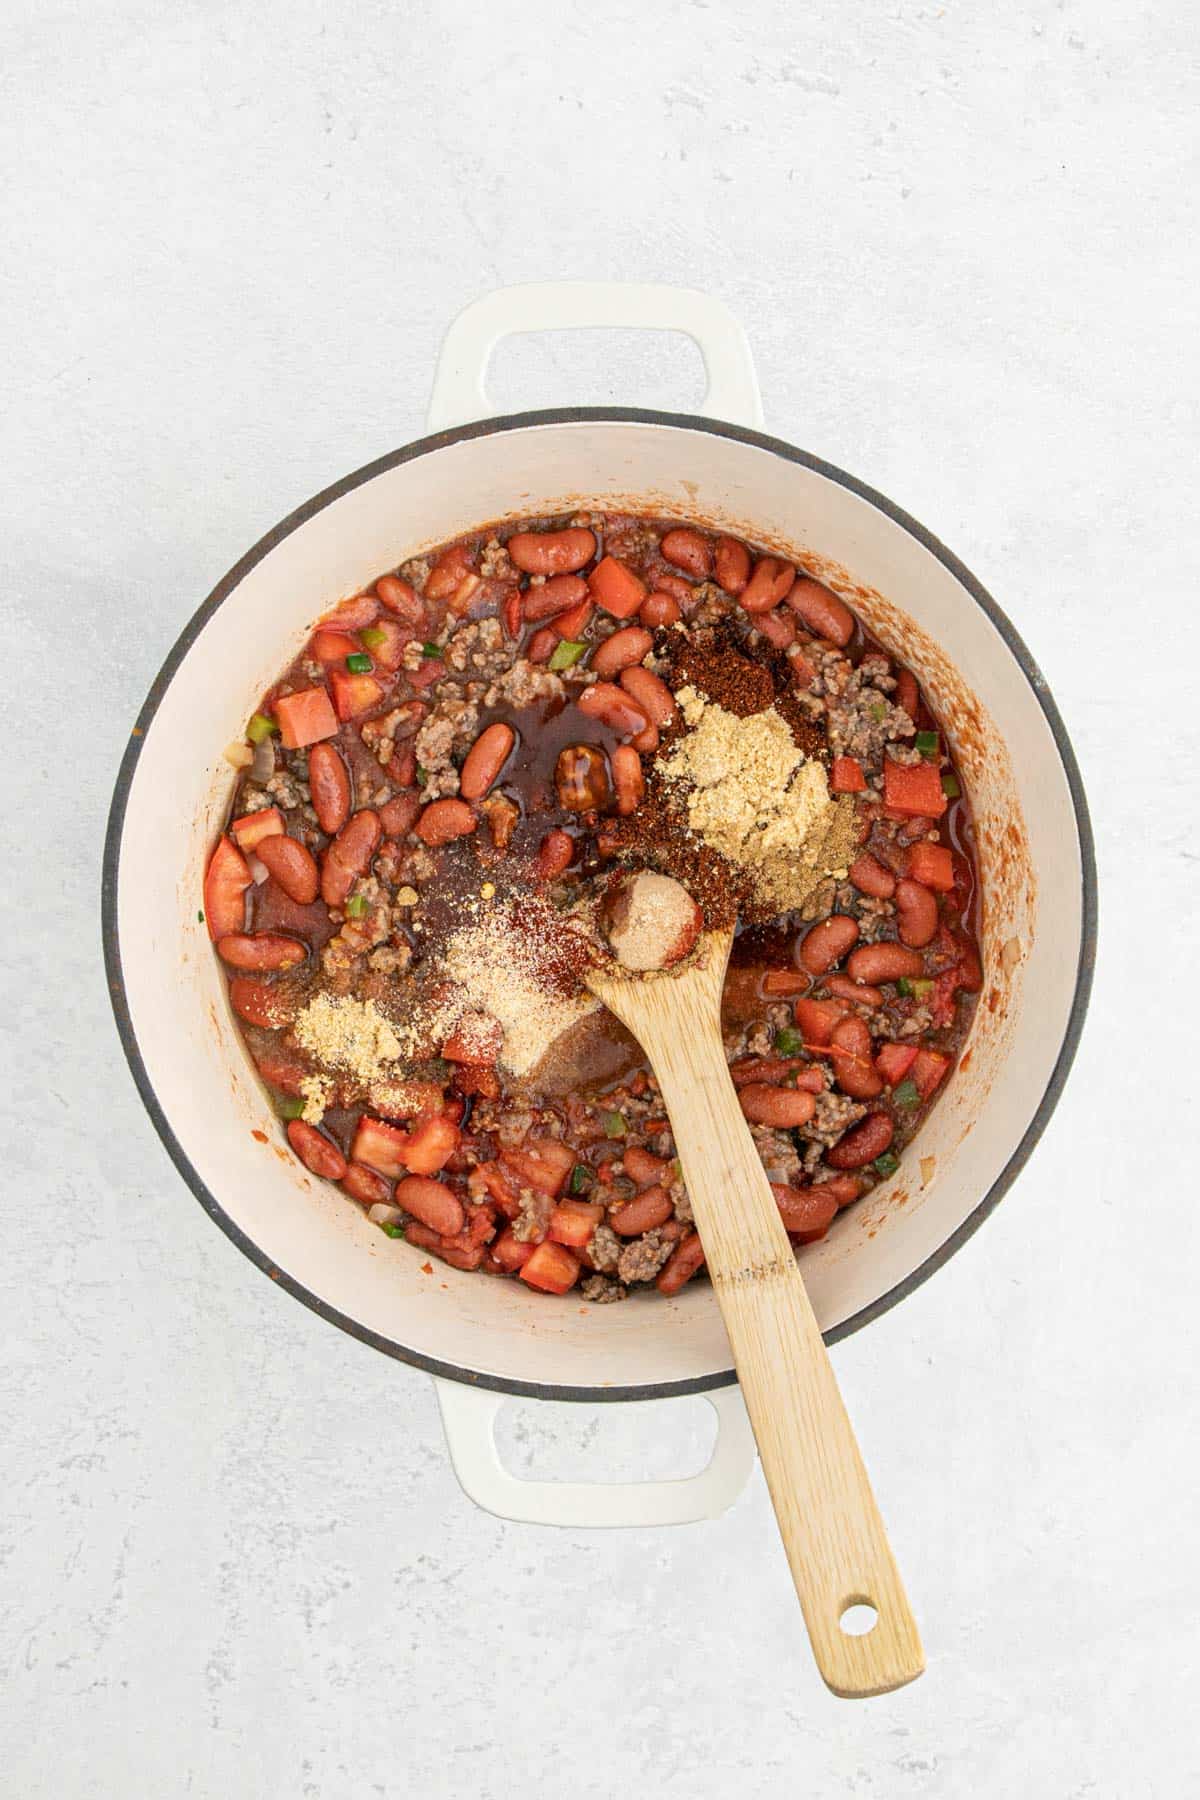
832,1531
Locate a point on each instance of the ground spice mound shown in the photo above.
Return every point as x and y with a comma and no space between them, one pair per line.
754,797
341,1033
712,662
521,966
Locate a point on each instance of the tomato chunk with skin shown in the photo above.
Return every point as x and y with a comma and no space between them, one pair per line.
928,1069
615,587
894,1061
430,1145
846,776
354,694
933,866
574,1222
913,789
381,1147
253,827
225,883
551,1268
305,717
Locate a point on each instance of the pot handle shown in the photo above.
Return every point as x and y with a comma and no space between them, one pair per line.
469,1417
459,394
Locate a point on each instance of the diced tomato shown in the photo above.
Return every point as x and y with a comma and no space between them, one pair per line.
427,671
913,790
573,1222
475,1039
846,775
409,1099
616,588
430,1145
225,884
380,1146
929,1066
305,717
510,1252
932,865
551,1268
785,981
494,1181
894,1061
333,646
817,1018
803,672
354,694
541,1163
253,827
570,624
388,652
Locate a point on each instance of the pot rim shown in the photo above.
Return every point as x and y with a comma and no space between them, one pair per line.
491,427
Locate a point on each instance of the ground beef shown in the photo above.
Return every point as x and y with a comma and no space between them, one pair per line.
480,645
874,918
861,719
680,1200
777,1152
285,790
524,684
416,571
605,1248
819,904
391,959
834,1115
601,1291
643,1257
494,561
533,1216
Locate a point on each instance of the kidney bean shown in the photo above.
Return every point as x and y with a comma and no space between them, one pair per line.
352,614
869,876
581,778
399,597
542,644
778,1106
292,866
552,552
806,1211
652,1207
916,906
444,820
435,1204
816,1019
484,761
659,608
853,1070
613,707
453,1248
907,694
681,1265
689,550
778,627
554,856
349,856
399,814
646,742
651,694
731,564
315,1151
845,1189
822,611
622,650
261,1003
777,1071
842,988
266,951
828,942
875,963
629,783
863,1144
448,574
558,595
365,1185
510,1252
770,583
329,785
642,1168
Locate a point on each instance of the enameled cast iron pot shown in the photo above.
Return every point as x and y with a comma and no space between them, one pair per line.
484,1338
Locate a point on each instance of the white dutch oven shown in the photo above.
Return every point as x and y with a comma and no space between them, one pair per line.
484,1338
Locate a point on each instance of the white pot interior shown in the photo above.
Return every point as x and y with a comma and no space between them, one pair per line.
175,994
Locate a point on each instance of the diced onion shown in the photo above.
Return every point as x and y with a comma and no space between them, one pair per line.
381,1214
240,755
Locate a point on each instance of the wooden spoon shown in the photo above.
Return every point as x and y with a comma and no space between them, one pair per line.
832,1531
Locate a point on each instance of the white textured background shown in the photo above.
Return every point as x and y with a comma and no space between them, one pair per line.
233,1559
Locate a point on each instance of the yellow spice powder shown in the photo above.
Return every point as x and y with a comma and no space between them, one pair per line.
755,798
